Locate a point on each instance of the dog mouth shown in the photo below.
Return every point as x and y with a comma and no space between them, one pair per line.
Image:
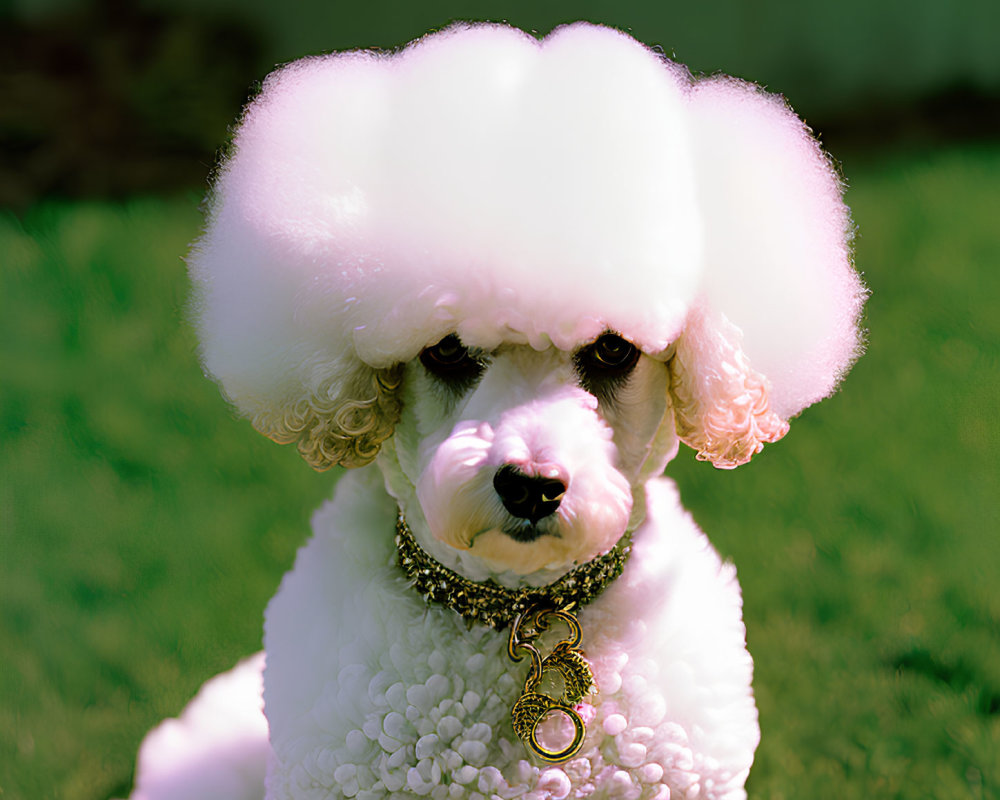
525,531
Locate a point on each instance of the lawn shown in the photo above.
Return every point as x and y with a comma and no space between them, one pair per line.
143,527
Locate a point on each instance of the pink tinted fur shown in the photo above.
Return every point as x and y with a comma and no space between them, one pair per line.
350,229
777,258
721,404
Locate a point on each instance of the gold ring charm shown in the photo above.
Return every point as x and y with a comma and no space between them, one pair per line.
569,666
527,715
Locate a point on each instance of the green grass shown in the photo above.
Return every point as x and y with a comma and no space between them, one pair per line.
143,528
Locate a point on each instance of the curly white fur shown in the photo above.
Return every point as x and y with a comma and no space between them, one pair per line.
527,196
375,692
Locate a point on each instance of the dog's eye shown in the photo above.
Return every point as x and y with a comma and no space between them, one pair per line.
610,355
446,354
612,352
606,362
451,361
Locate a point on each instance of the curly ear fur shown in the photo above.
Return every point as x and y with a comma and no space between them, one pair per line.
721,405
344,422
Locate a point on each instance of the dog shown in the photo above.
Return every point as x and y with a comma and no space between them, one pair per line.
503,279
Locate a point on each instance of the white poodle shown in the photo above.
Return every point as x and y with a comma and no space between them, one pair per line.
503,278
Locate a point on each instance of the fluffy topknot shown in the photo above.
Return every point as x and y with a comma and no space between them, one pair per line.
509,189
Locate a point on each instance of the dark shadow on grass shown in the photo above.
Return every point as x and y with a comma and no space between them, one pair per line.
953,672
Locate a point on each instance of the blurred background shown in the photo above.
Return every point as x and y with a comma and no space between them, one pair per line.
143,527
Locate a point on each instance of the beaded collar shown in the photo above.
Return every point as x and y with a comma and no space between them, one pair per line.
490,603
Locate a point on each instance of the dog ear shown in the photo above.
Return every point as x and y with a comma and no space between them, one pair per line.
721,404
775,326
345,422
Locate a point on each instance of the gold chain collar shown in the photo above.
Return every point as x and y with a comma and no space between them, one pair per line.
529,612
497,606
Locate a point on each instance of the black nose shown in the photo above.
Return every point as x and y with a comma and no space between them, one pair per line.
528,496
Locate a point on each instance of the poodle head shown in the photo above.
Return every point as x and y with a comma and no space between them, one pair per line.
441,254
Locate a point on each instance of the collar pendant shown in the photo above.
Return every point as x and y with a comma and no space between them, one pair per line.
557,682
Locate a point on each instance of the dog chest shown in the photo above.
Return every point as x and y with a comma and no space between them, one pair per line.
376,694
